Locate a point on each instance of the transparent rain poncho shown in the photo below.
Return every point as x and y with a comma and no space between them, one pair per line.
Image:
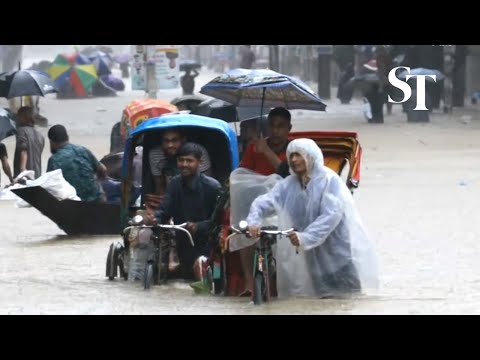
335,255
245,186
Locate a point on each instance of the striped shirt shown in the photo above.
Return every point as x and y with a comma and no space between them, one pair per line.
158,160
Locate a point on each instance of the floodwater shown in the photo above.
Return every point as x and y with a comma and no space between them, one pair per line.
418,197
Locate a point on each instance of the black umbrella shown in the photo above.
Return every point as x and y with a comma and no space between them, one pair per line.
257,122
113,163
370,77
364,81
217,109
187,102
189,65
26,83
7,124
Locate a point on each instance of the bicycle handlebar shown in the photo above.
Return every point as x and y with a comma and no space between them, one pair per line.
180,227
267,232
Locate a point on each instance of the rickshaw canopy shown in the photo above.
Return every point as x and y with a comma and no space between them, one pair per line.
168,121
140,110
338,147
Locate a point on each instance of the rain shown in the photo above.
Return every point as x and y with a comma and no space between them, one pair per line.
417,193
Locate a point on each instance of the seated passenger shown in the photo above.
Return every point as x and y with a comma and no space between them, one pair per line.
163,163
112,184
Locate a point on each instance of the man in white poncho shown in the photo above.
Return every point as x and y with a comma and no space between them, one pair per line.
335,255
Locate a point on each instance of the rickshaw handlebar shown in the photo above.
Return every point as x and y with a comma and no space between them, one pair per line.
180,227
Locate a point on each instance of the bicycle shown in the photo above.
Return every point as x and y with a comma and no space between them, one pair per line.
264,265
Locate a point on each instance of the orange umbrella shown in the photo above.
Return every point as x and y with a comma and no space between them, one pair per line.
140,110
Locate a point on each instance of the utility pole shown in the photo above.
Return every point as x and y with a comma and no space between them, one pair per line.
274,57
10,60
151,80
324,59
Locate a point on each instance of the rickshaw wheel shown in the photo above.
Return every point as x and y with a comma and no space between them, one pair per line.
121,267
148,277
258,289
162,266
112,263
161,274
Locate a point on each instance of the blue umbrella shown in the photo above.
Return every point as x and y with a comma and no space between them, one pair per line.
107,58
264,88
102,63
113,82
422,71
80,59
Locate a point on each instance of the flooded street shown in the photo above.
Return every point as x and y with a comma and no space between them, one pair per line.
418,197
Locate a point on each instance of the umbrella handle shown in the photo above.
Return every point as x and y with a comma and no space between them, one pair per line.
259,122
20,68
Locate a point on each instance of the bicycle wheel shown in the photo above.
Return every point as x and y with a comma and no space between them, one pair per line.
258,289
148,276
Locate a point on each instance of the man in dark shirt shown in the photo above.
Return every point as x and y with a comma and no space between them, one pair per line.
187,82
247,57
190,197
5,164
79,166
117,144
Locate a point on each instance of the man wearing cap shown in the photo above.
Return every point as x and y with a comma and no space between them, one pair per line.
79,166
